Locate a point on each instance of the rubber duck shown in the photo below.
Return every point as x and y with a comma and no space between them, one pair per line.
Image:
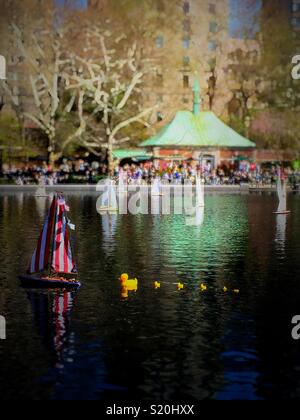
225,290
130,285
236,291
157,285
180,286
203,287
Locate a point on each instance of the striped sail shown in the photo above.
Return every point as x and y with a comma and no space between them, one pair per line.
62,260
40,258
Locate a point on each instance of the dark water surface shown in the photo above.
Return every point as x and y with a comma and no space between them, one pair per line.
157,344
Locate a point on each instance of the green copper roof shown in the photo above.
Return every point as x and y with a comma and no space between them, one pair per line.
203,130
121,154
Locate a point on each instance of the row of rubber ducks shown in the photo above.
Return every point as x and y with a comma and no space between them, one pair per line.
131,285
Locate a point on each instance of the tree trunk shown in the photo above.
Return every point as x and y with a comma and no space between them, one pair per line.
110,157
22,130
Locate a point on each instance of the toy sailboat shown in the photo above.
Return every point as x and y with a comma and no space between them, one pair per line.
200,198
108,202
282,195
122,183
156,188
41,189
52,264
41,192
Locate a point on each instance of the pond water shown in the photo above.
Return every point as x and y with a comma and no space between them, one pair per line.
155,345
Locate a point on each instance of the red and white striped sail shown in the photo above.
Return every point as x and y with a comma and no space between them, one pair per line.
62,261
40,258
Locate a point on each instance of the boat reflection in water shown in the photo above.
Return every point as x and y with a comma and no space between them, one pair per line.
52,315
197,219
281,226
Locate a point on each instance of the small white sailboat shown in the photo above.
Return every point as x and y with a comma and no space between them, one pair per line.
156,188
41,192
108,202
282,195
122,188
41,189
200,195
113,201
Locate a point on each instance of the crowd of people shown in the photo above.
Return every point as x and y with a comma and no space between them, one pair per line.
245,173
83,172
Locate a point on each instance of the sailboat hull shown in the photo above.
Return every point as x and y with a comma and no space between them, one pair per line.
48,283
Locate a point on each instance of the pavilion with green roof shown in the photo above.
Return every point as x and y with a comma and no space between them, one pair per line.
198,133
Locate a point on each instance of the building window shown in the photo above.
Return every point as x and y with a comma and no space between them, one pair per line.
296,7
186,81
212,45
185,100
186,26
212,9
160,99
213,27
186,43
186,7
212,63
186,60
159,79
296,22
160,6
159,42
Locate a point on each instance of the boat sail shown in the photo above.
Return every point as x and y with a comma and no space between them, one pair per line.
156,188
41,189
122,183
54,251
282,195
108,201
200,198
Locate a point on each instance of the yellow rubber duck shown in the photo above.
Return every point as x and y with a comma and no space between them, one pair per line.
225,290
203,287
130,285
180,286
157,285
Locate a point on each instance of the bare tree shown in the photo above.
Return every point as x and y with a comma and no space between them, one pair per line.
107,79
47,62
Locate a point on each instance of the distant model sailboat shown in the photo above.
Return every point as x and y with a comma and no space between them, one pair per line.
52,264
107,202
41,190
122,183
282,195
200,202
156,188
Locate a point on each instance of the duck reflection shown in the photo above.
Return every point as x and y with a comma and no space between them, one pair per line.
52,315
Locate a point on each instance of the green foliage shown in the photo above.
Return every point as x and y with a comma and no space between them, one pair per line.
9,130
